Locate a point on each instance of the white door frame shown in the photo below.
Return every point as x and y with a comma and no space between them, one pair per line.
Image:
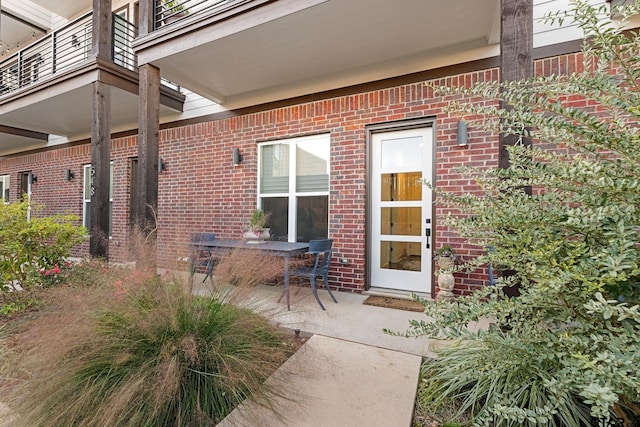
426,202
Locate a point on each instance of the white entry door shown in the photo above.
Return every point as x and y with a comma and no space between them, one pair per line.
401,210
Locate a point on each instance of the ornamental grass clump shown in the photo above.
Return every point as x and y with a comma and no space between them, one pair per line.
565,351
147,354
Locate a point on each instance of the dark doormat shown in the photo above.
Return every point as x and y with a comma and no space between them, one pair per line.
398,303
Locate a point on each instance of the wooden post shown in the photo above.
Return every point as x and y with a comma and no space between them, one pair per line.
146,24
516,57
516,63
100,171
102,40
148,151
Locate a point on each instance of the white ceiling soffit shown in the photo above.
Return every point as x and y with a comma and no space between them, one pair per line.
40,17
331,41
13,143
68,9
15,33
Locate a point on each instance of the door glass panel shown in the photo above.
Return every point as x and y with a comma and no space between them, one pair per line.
401,187
401,221
401,153
400,256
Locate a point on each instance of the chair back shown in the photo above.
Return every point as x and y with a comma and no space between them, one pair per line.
318,247
202,237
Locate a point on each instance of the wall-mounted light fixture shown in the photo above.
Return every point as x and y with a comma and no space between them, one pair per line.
463,134
32,178
237,157
161,165
68,175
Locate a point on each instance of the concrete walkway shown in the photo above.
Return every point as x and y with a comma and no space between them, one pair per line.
349,373
333,382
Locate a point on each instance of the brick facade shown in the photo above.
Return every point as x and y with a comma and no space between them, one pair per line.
200,190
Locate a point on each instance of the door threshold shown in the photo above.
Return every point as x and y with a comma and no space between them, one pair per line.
396,293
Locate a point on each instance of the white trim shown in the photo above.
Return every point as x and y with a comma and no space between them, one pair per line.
5,181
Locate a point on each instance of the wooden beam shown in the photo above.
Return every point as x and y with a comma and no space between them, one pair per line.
100,171
26,133
148,151
516,57
102,40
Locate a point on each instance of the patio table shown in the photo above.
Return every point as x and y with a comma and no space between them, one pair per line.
284,250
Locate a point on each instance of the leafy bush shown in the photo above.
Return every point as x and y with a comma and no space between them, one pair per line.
148,354
567,350
26,246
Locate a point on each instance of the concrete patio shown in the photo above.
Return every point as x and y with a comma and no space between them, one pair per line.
349,373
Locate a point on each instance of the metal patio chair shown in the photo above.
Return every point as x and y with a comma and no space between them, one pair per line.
321,251
202,257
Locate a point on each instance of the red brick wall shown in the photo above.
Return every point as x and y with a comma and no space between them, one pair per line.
201,191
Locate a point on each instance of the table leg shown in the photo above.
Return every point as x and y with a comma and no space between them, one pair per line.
286,280
192,268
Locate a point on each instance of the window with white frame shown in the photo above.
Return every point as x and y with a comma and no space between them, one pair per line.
86,205
4,188
293,187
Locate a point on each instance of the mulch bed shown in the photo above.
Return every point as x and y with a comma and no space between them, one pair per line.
397,303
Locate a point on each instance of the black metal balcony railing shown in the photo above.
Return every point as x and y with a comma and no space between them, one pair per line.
169,11
64,48
57,51
123,34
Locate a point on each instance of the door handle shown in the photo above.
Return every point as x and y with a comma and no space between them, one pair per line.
427,233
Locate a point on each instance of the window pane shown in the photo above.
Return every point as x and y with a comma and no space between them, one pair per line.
87,216
87,197
402,152
313,218
397,187
312,165
87,182
400,256
278,210
274,168
401,221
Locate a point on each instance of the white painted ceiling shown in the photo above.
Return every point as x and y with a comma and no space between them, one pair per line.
66,8
14,33
339,40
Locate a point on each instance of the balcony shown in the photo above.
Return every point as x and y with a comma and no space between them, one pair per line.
46,87
246,52
62,50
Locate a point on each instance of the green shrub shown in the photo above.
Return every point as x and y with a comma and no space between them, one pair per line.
566,351
8,308
26,246
150,355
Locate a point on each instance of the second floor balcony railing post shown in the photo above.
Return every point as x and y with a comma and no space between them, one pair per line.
112,55
20,70
53,52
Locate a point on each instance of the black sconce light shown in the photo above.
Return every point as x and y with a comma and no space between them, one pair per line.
463,134
68,175
32,178
161,165
237,157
